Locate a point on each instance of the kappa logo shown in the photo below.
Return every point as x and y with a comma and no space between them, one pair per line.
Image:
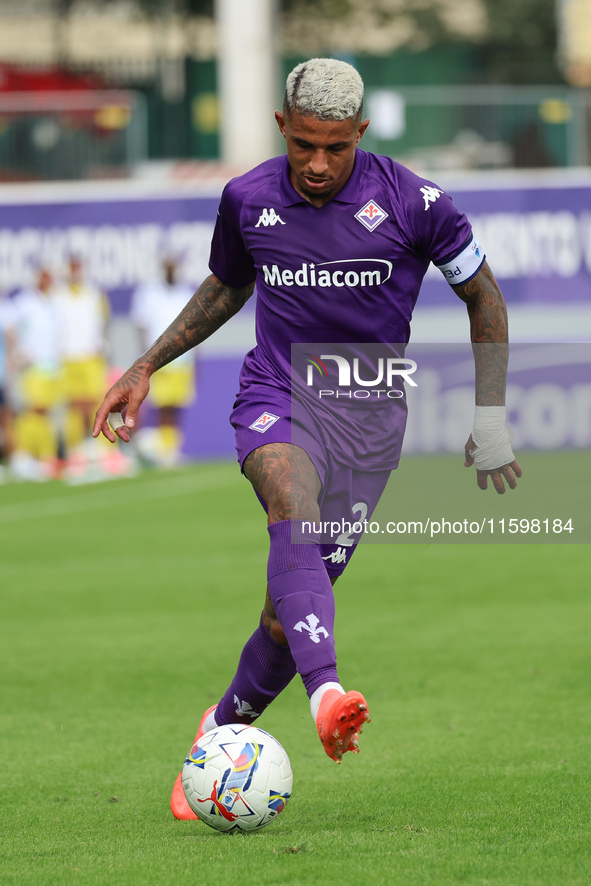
312,628
430,195
244,709
264,422
338,556
269,217
371,215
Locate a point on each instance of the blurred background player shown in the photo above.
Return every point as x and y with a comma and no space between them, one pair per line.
32,337
83,315
5,446
154,306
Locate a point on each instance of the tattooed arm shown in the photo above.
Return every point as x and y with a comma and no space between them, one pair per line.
211,306
489,336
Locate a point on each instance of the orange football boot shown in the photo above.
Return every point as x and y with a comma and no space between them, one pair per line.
178,802
339,721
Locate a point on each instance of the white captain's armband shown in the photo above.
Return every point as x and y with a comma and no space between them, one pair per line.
465,265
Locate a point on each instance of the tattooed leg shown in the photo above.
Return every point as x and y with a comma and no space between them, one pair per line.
287,481
285,478
299,608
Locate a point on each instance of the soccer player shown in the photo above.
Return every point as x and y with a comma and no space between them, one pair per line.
5,432
83,312
33,337
153,307
338,241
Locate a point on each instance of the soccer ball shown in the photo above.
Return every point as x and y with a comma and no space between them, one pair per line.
237,778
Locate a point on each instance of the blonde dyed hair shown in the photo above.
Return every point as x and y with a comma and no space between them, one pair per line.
325,88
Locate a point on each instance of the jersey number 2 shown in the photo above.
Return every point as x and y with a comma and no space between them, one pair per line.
344,538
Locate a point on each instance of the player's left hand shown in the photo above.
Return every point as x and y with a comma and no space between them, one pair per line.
508,473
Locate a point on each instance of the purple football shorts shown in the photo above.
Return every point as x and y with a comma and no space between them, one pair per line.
348,496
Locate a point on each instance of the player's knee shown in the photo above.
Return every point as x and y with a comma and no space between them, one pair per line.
280,502
289,502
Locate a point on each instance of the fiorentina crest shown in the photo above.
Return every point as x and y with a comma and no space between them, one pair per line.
371,215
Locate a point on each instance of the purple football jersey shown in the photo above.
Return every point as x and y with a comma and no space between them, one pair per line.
349,271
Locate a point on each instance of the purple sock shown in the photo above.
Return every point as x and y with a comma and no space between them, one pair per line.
264,670
302,595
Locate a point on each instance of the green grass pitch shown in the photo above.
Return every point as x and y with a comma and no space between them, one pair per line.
123,608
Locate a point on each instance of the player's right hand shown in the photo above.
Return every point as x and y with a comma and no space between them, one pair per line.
127,394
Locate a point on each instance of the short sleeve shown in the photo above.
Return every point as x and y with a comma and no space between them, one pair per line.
442,232
229,259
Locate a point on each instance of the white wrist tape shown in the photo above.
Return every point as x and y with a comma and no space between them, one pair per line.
492,439
115,419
